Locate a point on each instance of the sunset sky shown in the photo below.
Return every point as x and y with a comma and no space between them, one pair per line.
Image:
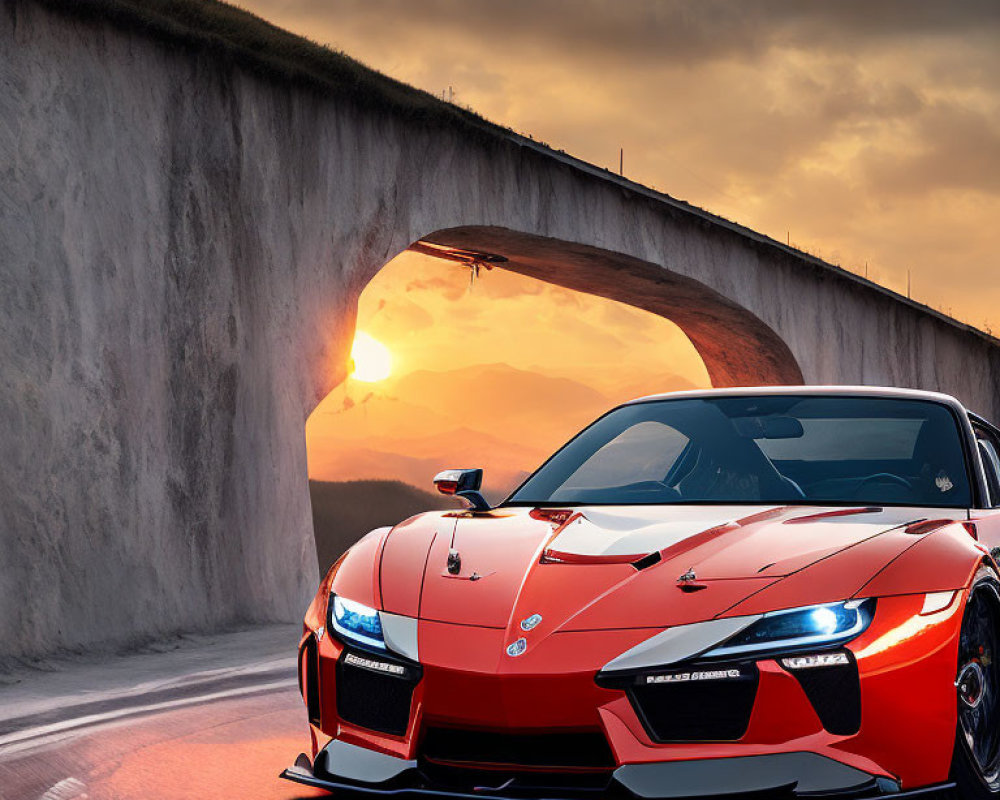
507,318
495,373
867,133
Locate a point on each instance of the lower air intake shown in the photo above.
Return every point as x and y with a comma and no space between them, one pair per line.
835,694
698,704
375,692
309,678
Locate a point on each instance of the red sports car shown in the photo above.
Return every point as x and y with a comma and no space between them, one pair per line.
784,591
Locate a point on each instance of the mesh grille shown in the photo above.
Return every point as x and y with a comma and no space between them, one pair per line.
835,693
698,708
373,699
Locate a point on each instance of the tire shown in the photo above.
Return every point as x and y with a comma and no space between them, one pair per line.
976,761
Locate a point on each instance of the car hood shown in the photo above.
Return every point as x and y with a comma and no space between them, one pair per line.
593,568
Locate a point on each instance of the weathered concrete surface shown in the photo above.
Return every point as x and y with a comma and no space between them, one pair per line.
182,244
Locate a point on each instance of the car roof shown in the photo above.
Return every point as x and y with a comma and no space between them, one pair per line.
818,391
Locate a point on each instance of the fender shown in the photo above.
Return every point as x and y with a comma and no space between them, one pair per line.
356,575
943,560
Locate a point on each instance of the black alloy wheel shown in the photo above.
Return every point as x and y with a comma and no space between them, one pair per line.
976,763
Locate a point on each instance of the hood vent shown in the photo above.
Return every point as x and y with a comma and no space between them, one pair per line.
647,561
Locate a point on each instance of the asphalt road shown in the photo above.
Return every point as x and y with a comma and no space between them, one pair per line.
227,747
199,717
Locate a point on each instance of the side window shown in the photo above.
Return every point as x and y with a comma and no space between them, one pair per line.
988,453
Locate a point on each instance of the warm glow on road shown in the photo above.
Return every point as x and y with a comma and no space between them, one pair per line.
149,756
371,360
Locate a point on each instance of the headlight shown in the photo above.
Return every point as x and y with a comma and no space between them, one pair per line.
356,622
812,626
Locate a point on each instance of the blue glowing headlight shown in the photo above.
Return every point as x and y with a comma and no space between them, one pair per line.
356,623
812,626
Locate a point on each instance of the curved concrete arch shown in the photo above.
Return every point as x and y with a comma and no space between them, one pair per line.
738,348
173,308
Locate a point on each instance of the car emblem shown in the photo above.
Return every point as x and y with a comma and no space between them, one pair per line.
530,622
688,577
454,562
688,582
517,648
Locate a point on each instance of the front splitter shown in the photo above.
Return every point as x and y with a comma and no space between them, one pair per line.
775,776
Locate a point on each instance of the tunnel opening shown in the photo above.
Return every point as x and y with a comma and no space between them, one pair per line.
479,347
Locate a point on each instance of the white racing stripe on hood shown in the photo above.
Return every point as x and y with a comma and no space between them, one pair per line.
400,634
631,530
680,643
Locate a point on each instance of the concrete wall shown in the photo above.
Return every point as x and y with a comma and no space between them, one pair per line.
182,245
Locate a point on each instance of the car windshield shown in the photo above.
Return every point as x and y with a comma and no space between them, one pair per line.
823,450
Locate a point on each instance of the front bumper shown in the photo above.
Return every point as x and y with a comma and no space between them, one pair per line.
343,767
516,716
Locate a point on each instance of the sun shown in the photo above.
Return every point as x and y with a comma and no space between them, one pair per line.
371,360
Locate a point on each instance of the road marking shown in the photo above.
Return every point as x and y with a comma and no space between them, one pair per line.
38,737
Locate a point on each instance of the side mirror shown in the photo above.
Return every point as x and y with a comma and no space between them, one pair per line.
463,483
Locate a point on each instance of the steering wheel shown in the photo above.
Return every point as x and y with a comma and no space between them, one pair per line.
884,477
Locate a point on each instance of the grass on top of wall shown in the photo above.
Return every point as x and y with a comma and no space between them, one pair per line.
239,37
